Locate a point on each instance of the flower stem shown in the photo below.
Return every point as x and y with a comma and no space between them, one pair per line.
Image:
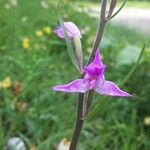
80,119
79,123
100,30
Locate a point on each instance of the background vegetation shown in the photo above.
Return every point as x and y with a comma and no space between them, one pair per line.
121,0
32,59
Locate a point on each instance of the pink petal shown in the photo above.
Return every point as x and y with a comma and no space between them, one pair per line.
59,31
96,68
109,88
71,28
75,86
97,60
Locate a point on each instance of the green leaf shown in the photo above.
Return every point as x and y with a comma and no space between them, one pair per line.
128,55
132,70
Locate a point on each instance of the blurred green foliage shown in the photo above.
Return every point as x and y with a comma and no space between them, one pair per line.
42,117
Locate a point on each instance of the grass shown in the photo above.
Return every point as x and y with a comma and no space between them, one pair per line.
138,4
42,117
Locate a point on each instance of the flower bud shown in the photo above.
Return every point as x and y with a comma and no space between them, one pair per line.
71,29
78,51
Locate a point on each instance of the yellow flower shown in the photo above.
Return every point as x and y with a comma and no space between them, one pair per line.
39,33
47,30
6,83
26,43
147,121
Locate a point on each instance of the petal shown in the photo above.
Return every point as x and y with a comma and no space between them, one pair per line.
94,73
59,32
72,29
109,88
75,86
96,68
97,60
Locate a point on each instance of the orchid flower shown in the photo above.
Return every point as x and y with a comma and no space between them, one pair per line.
94,79
71,29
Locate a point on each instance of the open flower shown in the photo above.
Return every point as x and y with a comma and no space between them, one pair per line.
93,80
71,29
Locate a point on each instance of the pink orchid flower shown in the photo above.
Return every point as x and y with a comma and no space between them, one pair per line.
93,80
71,29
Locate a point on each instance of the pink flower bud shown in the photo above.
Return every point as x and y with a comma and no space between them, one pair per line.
71,29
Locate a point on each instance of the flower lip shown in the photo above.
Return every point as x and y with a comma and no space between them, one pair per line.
94,72
96,68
